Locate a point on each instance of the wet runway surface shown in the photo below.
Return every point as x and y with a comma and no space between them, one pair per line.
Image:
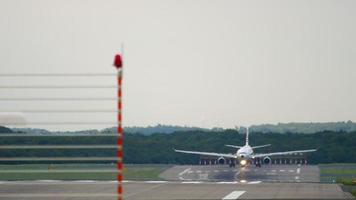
267,173
105,190
189,182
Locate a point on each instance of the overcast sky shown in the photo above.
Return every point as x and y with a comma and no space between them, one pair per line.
187,62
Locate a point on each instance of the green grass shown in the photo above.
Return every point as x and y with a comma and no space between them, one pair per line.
344,174
64,172
353,192
337,172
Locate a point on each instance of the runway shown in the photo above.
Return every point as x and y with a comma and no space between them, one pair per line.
266,173
189,182
105,190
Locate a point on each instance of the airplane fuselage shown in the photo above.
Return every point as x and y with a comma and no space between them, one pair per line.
244,155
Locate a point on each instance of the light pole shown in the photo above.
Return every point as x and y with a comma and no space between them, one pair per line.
118,65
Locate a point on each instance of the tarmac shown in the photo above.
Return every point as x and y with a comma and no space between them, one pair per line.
189,182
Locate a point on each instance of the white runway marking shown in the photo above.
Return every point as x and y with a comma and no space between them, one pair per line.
298,171
85,181
291,170
183,172
271,173
297,178
191,182
155,181
273,170
282,170
216,171
227,182
233,195
48,181
226,170
254,182
51,195
203,176
198,171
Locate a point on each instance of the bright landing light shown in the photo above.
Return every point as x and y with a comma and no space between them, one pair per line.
243,162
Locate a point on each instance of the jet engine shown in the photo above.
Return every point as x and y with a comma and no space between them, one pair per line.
267,160
221,160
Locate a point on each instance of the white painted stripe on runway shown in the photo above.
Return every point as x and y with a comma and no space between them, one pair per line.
291,170
155,181
48,181
298,171
271,173
233,195
51,195
227,182
216,171
273,170
296,178
191,182
198,171
84,181
225,170
282,170
183,172
254,182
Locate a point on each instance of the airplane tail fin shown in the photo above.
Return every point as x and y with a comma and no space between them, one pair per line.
247,133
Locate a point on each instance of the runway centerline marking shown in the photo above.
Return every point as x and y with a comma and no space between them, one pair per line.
282,170
298,171
233,195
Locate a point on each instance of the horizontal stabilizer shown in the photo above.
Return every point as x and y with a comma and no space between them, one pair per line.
207,153
256,147
233,146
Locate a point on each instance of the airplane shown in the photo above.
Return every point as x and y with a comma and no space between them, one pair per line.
245,155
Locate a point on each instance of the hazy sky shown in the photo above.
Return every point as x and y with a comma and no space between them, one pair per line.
187,62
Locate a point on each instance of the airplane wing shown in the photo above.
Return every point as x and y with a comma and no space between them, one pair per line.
207,153
282,153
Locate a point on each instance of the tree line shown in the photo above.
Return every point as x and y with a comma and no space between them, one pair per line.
158,148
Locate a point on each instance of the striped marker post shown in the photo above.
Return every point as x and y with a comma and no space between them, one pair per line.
118,65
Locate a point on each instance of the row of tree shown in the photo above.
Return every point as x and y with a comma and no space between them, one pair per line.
158,148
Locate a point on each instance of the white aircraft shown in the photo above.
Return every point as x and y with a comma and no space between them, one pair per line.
245,154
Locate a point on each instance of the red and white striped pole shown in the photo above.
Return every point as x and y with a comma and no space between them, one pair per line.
118,64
